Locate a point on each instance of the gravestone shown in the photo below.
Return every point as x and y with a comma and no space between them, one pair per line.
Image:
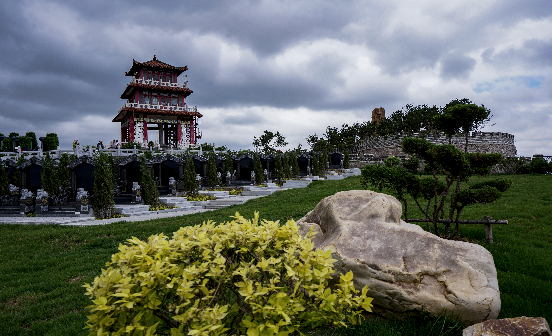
82,201
26,202
136,193
172,186
41,201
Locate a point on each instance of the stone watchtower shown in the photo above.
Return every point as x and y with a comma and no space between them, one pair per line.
156,101
378,114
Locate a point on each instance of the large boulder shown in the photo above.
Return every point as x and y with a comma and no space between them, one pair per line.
518,326
407,269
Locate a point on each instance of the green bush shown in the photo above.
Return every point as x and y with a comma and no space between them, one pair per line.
131,144
500,184
540,166
239,277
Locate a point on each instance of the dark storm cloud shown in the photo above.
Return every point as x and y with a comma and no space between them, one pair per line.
457,66
64,60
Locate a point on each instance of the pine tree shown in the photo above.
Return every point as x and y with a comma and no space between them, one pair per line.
212,179
258,167
104,182
150,192
190,183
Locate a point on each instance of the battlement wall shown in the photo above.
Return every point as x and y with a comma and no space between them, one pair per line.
478,142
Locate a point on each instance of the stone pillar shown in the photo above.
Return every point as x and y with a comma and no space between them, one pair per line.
136,193
41,201
82,202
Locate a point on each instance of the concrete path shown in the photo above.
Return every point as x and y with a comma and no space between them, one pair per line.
130,217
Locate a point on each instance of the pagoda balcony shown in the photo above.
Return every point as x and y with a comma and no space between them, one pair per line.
176,108
158,83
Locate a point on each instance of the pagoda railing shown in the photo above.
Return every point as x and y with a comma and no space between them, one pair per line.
158,83
177,108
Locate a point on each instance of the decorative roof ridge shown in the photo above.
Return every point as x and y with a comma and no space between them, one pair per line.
153,63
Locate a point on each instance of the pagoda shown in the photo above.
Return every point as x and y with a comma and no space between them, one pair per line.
156,101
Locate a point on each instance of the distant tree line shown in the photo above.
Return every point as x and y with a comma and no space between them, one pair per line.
27,142
458,116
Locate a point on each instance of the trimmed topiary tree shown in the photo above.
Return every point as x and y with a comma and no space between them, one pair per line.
346,160
212,179
4,180
49,176
147,183
237,278
190,183
278,169
258,168
103,202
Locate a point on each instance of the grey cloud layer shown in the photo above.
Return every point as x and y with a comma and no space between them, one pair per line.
64,60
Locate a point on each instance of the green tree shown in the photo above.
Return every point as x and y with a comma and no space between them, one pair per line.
190,183
462,115
346,160
25,143
51,142
147,183
104,181
34,143
63,172
212,178
278,169
285,166
293,163
268,141
4,180
258,168
16,176
228,166
315,165
49,177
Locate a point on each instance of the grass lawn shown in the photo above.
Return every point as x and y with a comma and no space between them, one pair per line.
43,268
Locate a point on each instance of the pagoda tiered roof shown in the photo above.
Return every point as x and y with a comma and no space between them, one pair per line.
156,110
155,85
153,64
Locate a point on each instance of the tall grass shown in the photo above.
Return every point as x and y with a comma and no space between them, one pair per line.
43,268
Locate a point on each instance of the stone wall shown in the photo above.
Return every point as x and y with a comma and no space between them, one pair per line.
478,142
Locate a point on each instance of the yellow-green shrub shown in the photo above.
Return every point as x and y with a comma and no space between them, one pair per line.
239,277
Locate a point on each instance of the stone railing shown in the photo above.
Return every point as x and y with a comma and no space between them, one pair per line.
177,108
158,83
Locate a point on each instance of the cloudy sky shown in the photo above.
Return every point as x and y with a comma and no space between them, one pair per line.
290,66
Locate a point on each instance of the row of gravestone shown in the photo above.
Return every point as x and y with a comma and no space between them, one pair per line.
39,204
164,167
